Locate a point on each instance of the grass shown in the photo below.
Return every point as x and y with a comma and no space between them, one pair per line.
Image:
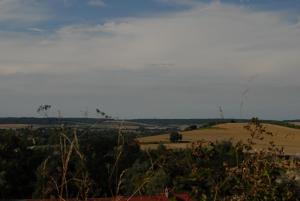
289,138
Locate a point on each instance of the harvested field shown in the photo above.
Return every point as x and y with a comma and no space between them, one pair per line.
288,138
13,126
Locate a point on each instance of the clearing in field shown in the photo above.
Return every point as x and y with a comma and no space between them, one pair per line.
288,138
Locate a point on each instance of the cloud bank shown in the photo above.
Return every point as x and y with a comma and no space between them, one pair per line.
182,64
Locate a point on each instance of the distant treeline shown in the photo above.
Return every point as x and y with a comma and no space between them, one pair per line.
285,123
50,120
162,122
159,122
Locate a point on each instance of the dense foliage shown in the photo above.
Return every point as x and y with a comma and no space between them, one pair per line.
63,163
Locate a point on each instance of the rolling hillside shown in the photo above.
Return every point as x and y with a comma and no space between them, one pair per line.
289,138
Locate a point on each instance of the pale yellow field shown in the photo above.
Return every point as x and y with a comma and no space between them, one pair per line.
288,138
13,126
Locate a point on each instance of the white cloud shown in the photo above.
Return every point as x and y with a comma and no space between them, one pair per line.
96,3
199,53
180,2
34,29
22,11
205,39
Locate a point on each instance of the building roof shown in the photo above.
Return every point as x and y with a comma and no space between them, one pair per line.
161,197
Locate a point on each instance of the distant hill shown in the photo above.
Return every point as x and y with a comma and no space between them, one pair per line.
141,122
163,122
287,137
50,120
54,120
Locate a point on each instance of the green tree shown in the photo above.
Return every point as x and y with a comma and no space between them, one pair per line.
175,136
18,162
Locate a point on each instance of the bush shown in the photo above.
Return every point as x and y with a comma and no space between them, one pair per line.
175,137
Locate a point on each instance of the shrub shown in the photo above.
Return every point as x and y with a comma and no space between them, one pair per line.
175,136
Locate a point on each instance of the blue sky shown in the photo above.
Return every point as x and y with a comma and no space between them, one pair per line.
151,58
59,13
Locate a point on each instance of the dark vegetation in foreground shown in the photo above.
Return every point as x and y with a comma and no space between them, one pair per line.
67,163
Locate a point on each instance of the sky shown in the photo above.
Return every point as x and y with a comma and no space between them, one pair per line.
151,58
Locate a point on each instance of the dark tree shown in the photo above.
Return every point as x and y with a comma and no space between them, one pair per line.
175,136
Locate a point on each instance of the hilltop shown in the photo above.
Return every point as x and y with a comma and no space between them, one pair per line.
289,138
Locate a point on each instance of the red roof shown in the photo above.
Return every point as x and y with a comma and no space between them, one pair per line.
183,197
142,198
162,197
